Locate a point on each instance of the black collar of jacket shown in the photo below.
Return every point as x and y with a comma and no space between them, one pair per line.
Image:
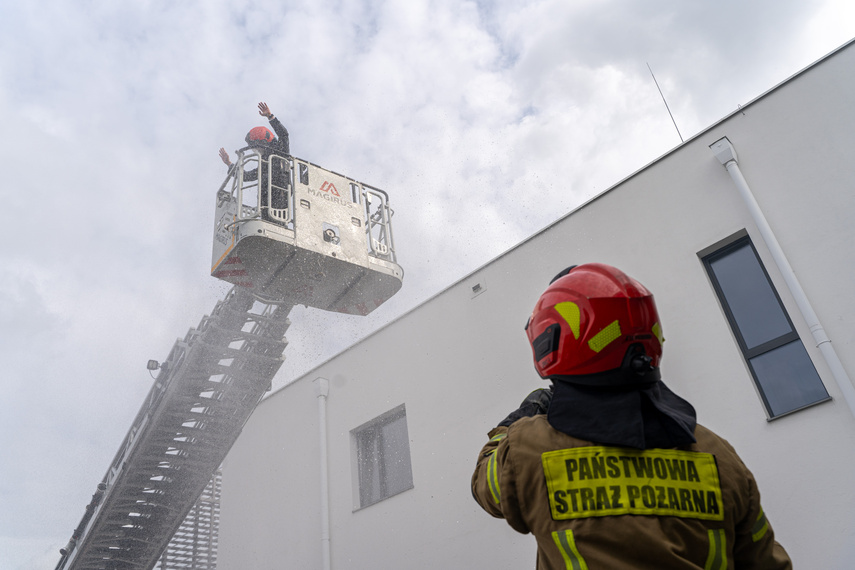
643,414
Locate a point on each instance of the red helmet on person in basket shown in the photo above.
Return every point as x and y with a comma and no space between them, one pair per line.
260,134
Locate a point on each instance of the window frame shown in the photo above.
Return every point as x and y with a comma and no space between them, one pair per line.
357,435
721,250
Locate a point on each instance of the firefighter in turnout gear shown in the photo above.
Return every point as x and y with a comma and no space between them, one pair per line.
608,468
262,139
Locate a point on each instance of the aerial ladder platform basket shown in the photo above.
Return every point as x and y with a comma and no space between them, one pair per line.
290,231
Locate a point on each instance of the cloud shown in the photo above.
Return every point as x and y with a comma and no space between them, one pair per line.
484,121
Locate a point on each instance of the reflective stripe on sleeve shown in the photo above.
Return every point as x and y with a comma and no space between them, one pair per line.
492,478
717,558
760,527
567,546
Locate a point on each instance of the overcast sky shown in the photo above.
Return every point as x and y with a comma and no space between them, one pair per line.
484,121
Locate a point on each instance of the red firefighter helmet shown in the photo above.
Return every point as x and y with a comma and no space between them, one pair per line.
594,318
259,134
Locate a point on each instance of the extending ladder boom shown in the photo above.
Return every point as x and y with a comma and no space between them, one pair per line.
205,392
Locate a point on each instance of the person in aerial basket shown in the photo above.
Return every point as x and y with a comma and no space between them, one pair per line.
607,468
268,144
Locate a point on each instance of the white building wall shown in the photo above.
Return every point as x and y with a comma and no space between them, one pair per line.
460,362
273,518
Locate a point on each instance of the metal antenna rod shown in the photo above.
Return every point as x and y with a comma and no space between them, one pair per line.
664,101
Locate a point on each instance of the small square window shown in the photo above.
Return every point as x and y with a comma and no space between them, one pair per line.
382,457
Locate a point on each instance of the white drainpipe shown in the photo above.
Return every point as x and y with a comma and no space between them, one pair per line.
726,154
323,386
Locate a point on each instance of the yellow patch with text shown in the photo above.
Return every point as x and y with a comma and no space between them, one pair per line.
607,481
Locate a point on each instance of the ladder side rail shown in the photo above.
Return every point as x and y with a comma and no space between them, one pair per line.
200,482
182,463
127,447
251,403
275,314
117,485
235,311
113,481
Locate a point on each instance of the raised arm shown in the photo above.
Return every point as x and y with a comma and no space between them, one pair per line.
284,141
224,156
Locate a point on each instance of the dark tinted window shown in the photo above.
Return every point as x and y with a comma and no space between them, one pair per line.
787,378
755,306
779,363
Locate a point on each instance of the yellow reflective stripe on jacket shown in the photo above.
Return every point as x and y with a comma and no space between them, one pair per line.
567,546
760,527
492,476
717,558
603,338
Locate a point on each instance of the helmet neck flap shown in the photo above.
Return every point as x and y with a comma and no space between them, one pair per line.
645,417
